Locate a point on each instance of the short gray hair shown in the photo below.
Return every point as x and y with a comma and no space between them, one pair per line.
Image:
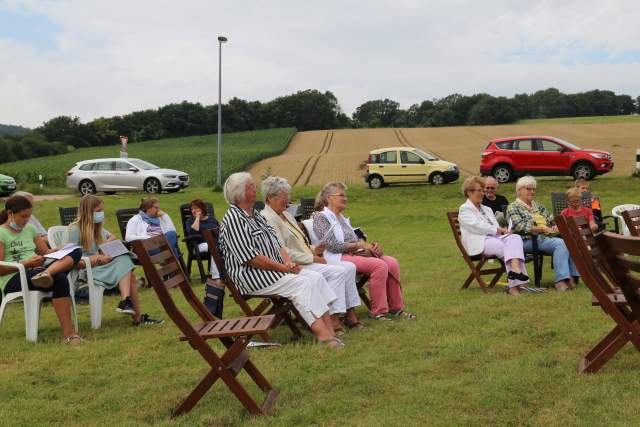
274,185
24,194
526,181
235,187
323,197
490,178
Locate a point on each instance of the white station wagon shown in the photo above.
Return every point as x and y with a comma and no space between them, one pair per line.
113,175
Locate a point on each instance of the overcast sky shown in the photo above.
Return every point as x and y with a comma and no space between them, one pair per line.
92,58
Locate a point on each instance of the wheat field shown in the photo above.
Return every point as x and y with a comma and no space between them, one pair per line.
315,157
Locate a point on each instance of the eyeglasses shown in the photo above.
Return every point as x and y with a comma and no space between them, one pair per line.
530,188
477,190
489,188
338,195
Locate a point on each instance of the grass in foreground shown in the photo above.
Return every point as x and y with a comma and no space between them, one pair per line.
582,120
195,155
469,359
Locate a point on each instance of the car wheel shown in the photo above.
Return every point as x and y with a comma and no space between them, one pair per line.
109,193
376,182
583,171
502,173
152,186
86,187
436,178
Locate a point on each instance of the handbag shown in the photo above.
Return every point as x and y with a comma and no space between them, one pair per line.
214,297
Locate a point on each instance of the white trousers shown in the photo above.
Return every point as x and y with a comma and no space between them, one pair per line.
215,274
341,278
309,292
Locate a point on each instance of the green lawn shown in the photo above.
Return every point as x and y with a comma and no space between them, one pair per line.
195,155
470,358
582,120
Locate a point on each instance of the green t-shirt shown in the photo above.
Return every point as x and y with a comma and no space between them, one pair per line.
17,247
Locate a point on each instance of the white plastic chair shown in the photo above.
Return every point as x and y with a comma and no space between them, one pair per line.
58,236
617,212
308,224
32,300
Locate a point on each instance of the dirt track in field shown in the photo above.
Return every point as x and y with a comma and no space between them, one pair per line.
315,157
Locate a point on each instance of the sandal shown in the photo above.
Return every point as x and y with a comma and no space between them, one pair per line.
378,317
333,342
403,314
355,325
42,280
339,331
73,339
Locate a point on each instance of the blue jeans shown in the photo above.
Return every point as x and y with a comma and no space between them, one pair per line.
172,239
563,265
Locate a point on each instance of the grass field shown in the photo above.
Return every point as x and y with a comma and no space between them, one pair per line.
195,155
583,120
320,156
470,359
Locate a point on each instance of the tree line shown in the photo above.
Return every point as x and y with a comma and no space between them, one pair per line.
307,110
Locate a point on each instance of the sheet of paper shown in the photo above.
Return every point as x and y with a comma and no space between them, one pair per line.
113,248
328,233
62,252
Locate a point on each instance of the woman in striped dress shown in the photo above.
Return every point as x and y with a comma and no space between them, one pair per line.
258,265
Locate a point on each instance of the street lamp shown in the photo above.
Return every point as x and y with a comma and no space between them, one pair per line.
221,39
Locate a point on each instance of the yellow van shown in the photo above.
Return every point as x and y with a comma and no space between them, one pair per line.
407,164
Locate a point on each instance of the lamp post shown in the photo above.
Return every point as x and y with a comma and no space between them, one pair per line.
221,39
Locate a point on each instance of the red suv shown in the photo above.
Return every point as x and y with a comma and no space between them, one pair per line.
506,158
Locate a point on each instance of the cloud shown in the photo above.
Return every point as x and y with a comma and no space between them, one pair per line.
94,58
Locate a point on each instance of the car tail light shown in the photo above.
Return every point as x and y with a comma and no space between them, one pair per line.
369,158
486,153
69,173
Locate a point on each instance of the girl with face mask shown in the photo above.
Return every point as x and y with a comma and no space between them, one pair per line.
88,232
20,242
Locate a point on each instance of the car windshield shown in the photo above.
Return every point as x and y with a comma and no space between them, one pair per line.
424,154
142,164
568,144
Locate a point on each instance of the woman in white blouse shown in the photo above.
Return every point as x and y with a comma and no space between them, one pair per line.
481,234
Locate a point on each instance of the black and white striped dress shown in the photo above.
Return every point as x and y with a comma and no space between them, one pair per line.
242,238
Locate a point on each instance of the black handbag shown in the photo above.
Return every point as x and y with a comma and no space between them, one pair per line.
214,297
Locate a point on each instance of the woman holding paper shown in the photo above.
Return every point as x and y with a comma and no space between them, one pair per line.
343,245
20,243
481,234
341,276
88,232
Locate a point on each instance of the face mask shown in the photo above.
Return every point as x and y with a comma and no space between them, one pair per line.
98,217
16,226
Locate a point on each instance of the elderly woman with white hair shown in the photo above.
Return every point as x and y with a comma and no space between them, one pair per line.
528,217
341,277
344,245
258,265
481,234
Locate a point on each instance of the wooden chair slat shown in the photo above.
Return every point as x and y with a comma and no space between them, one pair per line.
235,340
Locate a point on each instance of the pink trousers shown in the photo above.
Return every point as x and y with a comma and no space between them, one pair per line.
384,281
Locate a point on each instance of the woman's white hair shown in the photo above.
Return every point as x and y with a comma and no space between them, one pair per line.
235,187
274,185
526,181
329,188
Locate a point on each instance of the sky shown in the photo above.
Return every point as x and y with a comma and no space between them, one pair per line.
91,58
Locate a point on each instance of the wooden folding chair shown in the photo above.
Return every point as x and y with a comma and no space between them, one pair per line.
233,333
476,268
632,220
597,260
281,308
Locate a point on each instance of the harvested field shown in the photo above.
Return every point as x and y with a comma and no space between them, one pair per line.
316,157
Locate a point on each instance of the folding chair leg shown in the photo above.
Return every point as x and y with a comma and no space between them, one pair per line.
603,351
203,386
495,279
203,276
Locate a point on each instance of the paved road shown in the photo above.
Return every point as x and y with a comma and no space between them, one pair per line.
43,197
